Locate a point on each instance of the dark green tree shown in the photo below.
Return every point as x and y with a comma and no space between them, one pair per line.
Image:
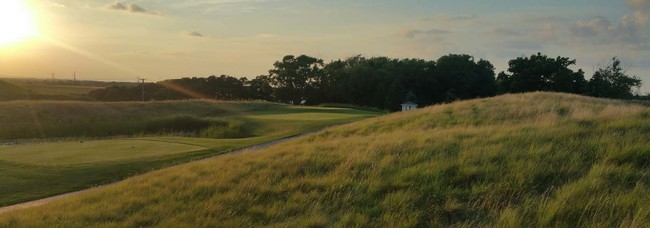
224,87
296,78
260,88
611,81
541,73
461,77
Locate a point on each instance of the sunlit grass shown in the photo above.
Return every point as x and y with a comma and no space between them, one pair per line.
147,136
527,160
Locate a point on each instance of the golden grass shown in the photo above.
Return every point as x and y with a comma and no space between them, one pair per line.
143,140
526,160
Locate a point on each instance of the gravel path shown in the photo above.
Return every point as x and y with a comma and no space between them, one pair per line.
62,196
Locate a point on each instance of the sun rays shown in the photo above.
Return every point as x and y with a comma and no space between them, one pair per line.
16,23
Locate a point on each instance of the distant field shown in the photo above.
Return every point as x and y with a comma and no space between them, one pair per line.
524,160
212,119
61,91
148,136
40,89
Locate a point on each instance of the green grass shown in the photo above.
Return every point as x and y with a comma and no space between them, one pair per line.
39,166
70,153
525,160
64,119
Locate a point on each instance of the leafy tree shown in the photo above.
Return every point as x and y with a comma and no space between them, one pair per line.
541,73
612,81
260,88
295,78
463,78
224,87
486,84
418,77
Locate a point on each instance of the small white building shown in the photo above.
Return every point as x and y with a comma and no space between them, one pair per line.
406,106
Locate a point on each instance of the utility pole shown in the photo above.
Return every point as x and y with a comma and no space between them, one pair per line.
142,81
74,75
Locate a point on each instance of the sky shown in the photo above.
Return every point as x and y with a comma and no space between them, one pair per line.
163,39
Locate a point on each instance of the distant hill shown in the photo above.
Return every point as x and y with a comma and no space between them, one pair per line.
47,89
65,82
10,91
519,160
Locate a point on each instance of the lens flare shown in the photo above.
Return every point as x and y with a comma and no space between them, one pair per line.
16,22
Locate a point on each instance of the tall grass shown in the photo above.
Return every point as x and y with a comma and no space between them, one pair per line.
32,171
65,119
527,160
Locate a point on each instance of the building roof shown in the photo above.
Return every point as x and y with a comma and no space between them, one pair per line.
409,103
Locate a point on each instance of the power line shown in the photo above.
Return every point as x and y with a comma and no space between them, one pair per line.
141,80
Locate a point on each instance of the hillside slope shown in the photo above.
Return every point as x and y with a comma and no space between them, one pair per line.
9,91
537,159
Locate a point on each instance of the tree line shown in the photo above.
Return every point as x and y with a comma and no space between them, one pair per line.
384,82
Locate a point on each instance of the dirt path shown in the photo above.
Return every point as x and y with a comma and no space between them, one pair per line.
62,196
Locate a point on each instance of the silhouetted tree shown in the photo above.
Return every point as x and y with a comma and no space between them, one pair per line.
612,81
383,82
296,78
224,87
260,88
541,73
463,78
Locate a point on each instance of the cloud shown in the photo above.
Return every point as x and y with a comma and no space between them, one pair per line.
594,27
117,6
56,4
629,31
136,8
533,18
266,36
638,4
194,34
503,32
447,17
462,18
522,45
130,7
157,53
224,6
640,15
413,33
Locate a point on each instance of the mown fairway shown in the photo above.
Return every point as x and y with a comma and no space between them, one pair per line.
151,136
525,160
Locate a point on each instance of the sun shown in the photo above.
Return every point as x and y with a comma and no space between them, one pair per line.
16,22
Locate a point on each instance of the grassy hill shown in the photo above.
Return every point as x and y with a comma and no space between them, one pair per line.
59,89
525,160
10,91
53,147
32,89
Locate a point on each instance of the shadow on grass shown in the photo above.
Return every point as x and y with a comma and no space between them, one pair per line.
55,180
